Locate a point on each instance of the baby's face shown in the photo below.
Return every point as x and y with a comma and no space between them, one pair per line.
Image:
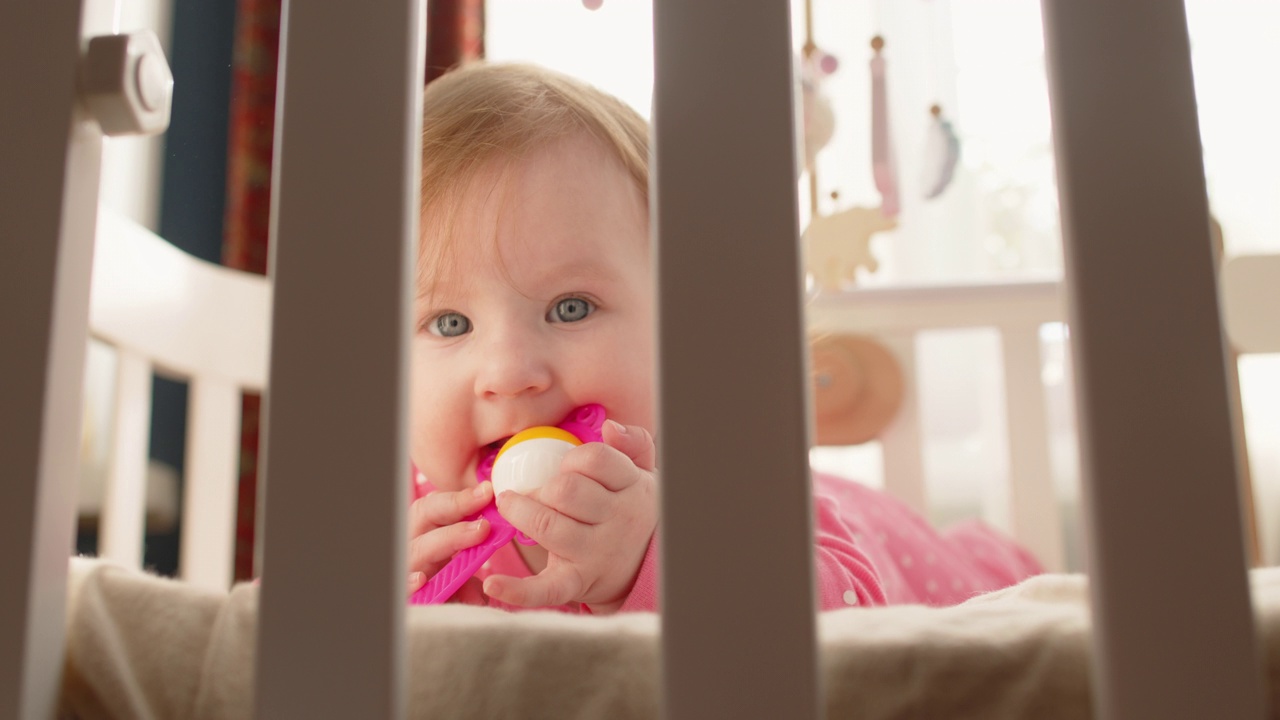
547,305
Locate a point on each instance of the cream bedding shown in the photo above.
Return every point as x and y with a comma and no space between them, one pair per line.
144,647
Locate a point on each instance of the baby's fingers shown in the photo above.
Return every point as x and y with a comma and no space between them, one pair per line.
633,441
559,534
579,497
442,508
416,580
427,553
468,594
553,586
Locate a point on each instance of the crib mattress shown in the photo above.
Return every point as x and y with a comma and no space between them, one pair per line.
143,647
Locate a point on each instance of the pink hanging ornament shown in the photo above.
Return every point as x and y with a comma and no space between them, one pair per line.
883,168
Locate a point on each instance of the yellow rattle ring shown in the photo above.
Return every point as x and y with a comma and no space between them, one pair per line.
530,458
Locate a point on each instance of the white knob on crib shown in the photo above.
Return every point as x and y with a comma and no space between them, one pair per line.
126,84
528,465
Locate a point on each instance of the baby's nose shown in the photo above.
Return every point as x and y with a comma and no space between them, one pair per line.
508,370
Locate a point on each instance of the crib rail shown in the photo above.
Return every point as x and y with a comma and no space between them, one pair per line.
331,613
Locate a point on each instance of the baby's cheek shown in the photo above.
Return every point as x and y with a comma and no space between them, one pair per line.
435,450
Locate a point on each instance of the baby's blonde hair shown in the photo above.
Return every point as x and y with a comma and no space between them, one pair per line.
485,110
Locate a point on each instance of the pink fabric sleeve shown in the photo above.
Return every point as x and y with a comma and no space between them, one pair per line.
846,576
644,593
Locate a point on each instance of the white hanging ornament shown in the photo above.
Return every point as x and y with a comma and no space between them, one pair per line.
817,116
941,153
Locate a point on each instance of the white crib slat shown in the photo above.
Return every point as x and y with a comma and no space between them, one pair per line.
1173,628
345,210
212,474
1033,499
50,156
736,512
901,444
125,495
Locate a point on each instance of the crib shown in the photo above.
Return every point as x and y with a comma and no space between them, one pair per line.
1124,120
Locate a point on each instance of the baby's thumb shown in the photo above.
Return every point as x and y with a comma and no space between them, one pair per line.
633,441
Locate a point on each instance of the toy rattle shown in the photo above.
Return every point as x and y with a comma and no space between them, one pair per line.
524,463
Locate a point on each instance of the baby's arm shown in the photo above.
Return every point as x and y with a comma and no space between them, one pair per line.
596,519
846,576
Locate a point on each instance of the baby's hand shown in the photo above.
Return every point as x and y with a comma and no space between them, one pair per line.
436,532
595,519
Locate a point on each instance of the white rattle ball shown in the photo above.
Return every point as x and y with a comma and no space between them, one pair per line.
530,458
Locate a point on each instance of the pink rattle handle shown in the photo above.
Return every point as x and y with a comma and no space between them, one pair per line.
585,423
466,562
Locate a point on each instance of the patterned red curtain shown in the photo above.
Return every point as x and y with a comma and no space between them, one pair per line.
455,33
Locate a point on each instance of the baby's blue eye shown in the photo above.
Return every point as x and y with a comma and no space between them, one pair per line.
570,309
450,324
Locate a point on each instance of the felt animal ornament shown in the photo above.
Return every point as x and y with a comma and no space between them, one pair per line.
836,245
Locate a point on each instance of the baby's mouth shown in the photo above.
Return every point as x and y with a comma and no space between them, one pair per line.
486,456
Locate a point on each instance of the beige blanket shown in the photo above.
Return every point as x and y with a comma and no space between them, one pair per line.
142,647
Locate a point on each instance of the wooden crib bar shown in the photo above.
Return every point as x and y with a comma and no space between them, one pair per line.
344,232
50,157
1173,630
48,189
733,448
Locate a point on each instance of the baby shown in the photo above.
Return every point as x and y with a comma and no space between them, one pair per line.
534,297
